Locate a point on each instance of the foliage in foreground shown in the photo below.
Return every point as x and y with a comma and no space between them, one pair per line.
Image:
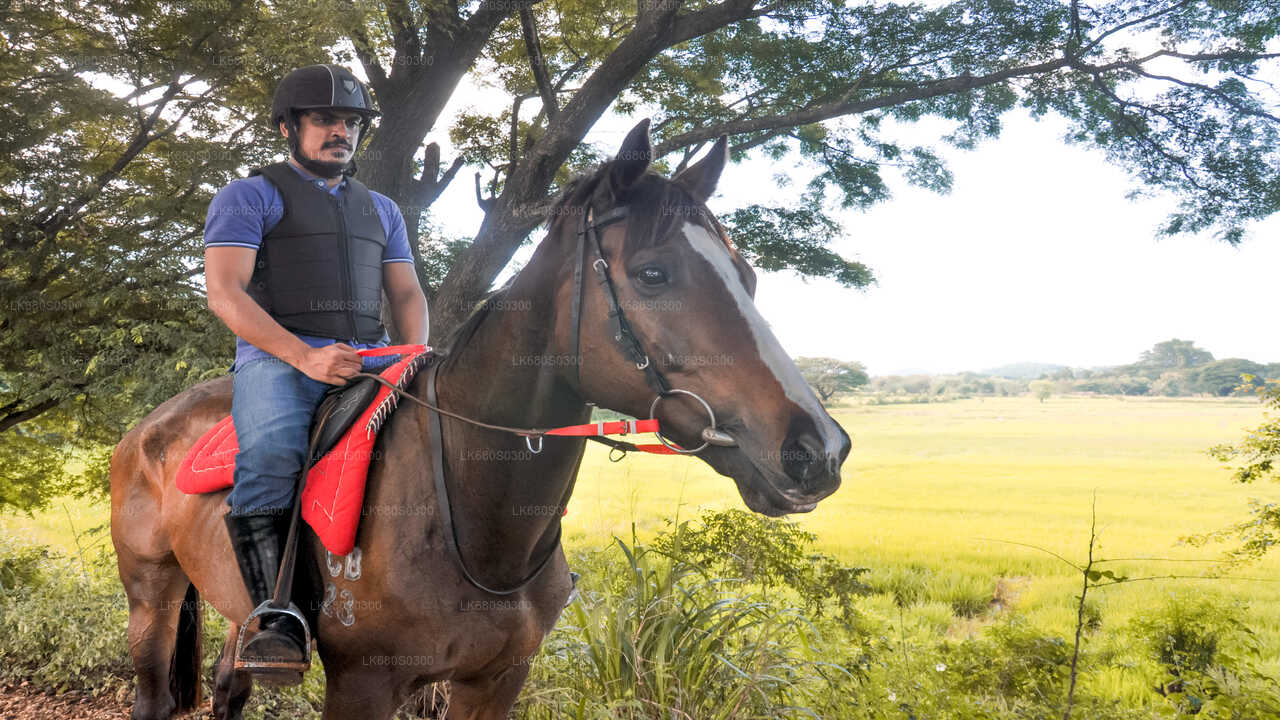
733,616
1254,458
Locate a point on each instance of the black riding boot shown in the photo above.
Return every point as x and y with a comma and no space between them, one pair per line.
258,541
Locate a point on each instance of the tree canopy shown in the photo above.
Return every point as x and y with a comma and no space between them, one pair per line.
1175,353
123,118
828,376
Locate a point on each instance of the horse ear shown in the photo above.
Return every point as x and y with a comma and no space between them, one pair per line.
701,177
633,157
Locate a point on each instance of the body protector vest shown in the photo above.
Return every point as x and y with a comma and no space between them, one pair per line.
319,272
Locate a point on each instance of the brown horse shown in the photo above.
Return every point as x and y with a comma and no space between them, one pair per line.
399,611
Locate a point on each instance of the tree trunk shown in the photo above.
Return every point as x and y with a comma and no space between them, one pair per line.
511,216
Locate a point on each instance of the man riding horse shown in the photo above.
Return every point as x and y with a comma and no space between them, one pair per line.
297,257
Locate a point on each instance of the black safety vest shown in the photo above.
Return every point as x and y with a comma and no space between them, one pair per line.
319,272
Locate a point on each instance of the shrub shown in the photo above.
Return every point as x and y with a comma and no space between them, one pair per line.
767,553
674,643
907,586
21,563
1015,663
62,621
1204,651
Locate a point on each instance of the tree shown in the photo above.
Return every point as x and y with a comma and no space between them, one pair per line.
1042,389
828,376
123,118
1223,377
1254,458
119,119
1172,383
823,78
1175,353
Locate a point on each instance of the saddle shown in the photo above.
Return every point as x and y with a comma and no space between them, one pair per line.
338,411
343,433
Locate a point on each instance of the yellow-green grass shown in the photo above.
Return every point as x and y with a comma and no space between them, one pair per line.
949,487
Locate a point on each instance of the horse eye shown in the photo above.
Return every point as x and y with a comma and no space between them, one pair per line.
652,276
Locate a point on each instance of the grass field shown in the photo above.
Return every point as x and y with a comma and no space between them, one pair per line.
947,487
948,490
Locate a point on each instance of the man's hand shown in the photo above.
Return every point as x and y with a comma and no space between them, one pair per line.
333,364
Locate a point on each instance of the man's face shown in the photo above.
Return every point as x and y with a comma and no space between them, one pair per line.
327,135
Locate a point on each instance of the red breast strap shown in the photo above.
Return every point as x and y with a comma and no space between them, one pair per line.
613,427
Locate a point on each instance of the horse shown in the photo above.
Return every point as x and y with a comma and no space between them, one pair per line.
672,307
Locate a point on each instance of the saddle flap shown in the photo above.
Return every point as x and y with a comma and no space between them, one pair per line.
338,410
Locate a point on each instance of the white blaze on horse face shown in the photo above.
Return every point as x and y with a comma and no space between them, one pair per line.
713,250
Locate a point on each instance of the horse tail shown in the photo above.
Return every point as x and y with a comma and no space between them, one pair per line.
184,668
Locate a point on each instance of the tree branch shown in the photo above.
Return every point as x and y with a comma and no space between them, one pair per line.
1137,21
12,419
54,222
1235,104
486,204
366,55
533,46
826,111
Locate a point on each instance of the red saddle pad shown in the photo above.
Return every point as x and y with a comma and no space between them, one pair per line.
333,496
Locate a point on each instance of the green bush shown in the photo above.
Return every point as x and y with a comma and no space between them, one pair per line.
21,563
968,596
768,554
64,624
674,642
1206,655
1013,662
908,586
62,621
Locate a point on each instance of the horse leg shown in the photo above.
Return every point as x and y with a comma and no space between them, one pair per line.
155,590
488,697
230,688
368,694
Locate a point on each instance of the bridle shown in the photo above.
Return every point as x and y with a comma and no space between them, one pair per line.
588,241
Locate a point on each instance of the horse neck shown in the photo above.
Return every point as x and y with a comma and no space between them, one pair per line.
507,500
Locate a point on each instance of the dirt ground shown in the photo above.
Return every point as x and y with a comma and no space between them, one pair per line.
25,703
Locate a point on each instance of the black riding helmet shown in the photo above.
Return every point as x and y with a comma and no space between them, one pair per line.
321,87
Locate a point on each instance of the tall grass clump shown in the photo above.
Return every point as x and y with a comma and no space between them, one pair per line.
659,637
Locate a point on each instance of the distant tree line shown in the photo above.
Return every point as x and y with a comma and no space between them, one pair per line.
1174,368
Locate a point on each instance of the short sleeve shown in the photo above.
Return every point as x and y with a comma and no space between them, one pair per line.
397,249
241,213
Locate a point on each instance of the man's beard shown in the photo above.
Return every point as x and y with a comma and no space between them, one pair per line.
324,168
321,168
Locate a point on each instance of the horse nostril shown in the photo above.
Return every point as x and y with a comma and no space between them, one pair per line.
803,458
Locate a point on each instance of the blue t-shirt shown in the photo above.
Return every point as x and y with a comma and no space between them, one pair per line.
247,209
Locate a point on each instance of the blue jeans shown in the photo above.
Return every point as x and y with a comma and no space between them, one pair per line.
272,406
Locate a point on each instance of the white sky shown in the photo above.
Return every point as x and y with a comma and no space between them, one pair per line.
1035,255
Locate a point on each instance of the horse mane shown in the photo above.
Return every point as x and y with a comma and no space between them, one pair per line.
464,331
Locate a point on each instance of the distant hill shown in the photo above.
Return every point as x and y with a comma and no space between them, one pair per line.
1024,370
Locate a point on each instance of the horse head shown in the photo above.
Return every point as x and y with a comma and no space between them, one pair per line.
686,295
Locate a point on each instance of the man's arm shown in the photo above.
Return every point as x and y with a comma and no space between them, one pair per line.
408,303
228,270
